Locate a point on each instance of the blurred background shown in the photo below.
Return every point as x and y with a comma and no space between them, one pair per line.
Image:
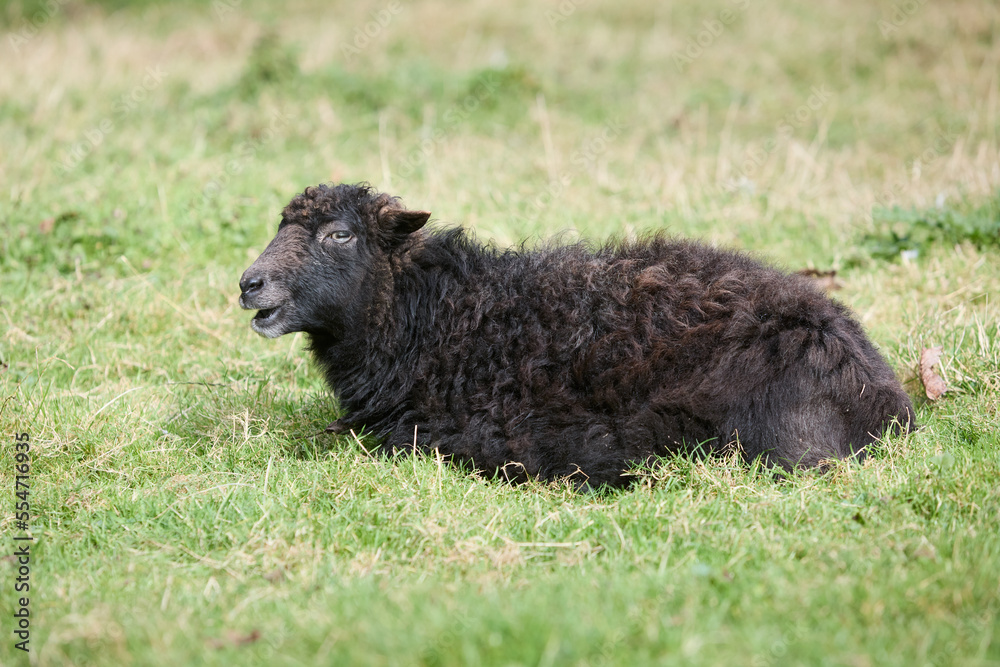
768,125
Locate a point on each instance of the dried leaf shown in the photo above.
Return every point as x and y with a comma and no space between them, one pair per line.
240,639
934,386
47,225
233,638
825,280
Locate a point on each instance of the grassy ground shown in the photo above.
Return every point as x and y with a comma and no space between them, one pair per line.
185,510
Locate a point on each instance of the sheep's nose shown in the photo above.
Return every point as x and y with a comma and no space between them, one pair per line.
250,285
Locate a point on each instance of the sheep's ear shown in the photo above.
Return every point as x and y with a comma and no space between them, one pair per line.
401,221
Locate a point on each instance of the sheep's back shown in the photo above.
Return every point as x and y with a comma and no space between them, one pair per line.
606,330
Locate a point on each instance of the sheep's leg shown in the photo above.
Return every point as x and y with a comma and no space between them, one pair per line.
806,419
812,432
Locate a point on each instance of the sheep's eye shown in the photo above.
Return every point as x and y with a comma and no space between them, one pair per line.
340,236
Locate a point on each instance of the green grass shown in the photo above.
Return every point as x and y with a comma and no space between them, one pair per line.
187,509
900,231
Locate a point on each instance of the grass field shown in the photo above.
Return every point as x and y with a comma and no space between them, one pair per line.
185,510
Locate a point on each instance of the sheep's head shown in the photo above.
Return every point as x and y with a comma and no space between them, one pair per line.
323,270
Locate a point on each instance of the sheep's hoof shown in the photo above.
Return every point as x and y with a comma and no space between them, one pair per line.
337,427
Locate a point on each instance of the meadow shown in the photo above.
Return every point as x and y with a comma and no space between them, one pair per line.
184,504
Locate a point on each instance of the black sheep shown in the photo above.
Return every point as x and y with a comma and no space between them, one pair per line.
565,361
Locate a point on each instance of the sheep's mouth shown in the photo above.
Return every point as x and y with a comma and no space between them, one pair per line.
265,322
265,314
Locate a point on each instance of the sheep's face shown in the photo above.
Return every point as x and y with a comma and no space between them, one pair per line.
323,270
